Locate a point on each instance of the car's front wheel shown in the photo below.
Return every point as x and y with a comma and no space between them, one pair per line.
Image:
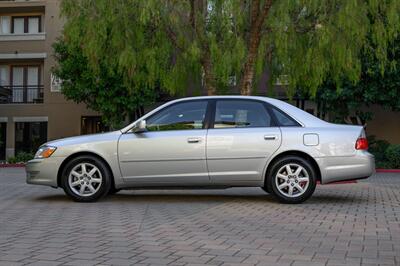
292,179
86,179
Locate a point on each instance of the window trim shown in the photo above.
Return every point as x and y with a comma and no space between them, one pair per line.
208,122
205,120
263,103
26,24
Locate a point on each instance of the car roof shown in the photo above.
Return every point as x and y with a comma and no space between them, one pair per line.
304,118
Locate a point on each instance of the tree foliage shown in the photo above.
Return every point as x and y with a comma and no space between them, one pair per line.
372,88
101,89
315,41
171,44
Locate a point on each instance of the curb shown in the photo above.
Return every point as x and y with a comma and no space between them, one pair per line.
388,170
12,165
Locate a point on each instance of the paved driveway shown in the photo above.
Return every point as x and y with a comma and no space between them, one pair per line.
348,224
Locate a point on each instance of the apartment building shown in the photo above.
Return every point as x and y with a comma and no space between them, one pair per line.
32,109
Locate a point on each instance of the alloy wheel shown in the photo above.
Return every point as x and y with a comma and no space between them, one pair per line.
292,180
85,179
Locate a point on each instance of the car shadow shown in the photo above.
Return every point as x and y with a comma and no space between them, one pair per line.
165,198
199,197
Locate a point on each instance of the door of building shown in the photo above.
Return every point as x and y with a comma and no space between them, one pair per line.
92,125
3,138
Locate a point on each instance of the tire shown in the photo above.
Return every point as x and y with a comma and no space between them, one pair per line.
86,179
113,191
294,184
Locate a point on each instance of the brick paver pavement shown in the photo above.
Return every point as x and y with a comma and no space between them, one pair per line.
348,224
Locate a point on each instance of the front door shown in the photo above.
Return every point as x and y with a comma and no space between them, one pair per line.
241,141
172,151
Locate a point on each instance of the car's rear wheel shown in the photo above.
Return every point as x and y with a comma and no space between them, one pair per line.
292,179
86,179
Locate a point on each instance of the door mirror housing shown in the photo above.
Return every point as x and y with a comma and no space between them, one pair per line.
140,127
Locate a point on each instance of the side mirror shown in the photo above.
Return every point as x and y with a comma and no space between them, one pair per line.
140,127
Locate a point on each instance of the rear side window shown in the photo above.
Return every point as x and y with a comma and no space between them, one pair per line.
283,119
241,114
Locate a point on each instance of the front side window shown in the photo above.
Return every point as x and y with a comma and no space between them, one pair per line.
241,114
180,116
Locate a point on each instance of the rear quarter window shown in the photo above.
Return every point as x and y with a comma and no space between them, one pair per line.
283,119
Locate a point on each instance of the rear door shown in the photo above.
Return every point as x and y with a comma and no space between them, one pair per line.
241,139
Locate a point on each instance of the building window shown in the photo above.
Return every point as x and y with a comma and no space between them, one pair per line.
5,24
26,84
21,25
4,75
29,136
92,125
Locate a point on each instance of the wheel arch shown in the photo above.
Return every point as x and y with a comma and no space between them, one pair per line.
301,154
83,153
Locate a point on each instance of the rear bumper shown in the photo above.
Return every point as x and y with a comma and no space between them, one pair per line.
361,165
43,171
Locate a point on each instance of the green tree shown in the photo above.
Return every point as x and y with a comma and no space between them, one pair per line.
374,87
101,90
106,63
172,43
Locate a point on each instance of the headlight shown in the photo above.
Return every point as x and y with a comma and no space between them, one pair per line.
45,152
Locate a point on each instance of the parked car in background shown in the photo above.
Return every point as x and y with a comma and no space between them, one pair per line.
208,142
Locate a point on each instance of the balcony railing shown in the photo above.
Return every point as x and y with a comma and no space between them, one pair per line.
21,94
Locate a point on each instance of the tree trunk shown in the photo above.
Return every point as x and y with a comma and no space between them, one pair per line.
197,20
209,78
248,72
257,21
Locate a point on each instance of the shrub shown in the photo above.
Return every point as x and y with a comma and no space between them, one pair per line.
21,157
378,149
393,156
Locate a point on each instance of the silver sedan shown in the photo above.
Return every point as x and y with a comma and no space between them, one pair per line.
208,142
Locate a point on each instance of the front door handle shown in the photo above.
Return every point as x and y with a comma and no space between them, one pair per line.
193,140
270,137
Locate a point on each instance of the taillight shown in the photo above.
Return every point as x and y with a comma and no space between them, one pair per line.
362,143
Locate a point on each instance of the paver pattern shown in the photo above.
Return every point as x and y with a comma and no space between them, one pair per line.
347,224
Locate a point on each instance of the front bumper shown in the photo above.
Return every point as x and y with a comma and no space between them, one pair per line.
337,168
43,171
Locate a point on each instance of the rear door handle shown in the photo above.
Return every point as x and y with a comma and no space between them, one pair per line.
270,137
194,140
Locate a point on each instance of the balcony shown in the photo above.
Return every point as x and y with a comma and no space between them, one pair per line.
23,25
21,94
23,6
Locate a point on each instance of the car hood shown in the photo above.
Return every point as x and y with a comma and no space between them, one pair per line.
85,139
